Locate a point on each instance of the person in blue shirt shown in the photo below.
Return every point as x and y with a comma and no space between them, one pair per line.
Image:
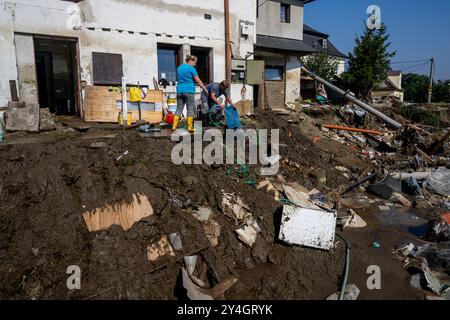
210,98
187,77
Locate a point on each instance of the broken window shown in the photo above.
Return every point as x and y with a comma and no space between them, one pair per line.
107,68
168,62
273,73
285,13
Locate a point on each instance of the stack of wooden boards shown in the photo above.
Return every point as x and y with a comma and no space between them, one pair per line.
104,105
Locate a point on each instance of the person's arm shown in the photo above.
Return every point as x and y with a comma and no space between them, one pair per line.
214,98
230,102
200,83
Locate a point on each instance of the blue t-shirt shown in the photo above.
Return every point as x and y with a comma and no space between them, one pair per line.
213,87
185,78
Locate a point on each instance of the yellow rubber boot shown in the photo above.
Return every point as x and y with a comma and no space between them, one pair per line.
176,119
190,123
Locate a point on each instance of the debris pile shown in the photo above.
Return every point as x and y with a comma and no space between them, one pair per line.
141,227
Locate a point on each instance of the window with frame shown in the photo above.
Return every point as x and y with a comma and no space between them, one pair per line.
273,73
285,13
107,68
168,62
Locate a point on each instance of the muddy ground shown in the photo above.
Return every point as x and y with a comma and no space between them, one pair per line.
48,181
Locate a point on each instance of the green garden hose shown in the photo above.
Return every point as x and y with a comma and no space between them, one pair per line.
346,268
347,255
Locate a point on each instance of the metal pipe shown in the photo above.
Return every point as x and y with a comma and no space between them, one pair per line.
227,41
350,97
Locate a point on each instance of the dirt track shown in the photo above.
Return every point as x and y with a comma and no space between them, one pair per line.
46,186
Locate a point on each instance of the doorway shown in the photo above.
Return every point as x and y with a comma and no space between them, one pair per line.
204,63
57,75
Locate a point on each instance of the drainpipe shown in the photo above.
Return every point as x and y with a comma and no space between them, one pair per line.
227,41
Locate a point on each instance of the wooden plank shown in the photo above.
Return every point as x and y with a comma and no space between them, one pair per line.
101,105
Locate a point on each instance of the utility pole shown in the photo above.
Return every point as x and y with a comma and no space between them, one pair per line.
430,87
227,41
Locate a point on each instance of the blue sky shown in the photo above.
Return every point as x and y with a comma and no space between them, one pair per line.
419,29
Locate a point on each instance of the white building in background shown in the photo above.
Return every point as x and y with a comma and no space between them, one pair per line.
391,87
54,48
282,39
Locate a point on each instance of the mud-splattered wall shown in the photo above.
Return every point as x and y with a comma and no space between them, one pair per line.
131,28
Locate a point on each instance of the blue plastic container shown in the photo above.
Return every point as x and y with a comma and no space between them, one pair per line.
233,120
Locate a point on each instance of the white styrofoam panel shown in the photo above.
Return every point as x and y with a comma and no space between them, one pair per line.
307,227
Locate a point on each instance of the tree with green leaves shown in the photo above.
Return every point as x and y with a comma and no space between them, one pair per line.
369,63
416,89
322,64
441,91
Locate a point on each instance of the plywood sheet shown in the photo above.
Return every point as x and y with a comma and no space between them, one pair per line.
101,105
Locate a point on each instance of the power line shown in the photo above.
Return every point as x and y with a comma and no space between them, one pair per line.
412,61
415,68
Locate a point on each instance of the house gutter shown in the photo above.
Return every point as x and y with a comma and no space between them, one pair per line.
227,41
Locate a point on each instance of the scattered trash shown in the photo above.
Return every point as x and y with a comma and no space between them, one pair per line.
122,155
122,214
352,221
181,201
196,289
212,232
342,169
351,293
439,182
249,233
439,229
434,262
194,292
263,184
148,128
307,227
411,186
298,197
46,121
376,245
446,217
235,206
160,249
175,241
437,282
386,188
399,198
202,214
406,250
210,226
98,145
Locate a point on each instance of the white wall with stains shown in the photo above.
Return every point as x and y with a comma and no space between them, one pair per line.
131,28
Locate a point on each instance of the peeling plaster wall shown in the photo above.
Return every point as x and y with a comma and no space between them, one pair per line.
151,21
8,69
26,68
293,77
